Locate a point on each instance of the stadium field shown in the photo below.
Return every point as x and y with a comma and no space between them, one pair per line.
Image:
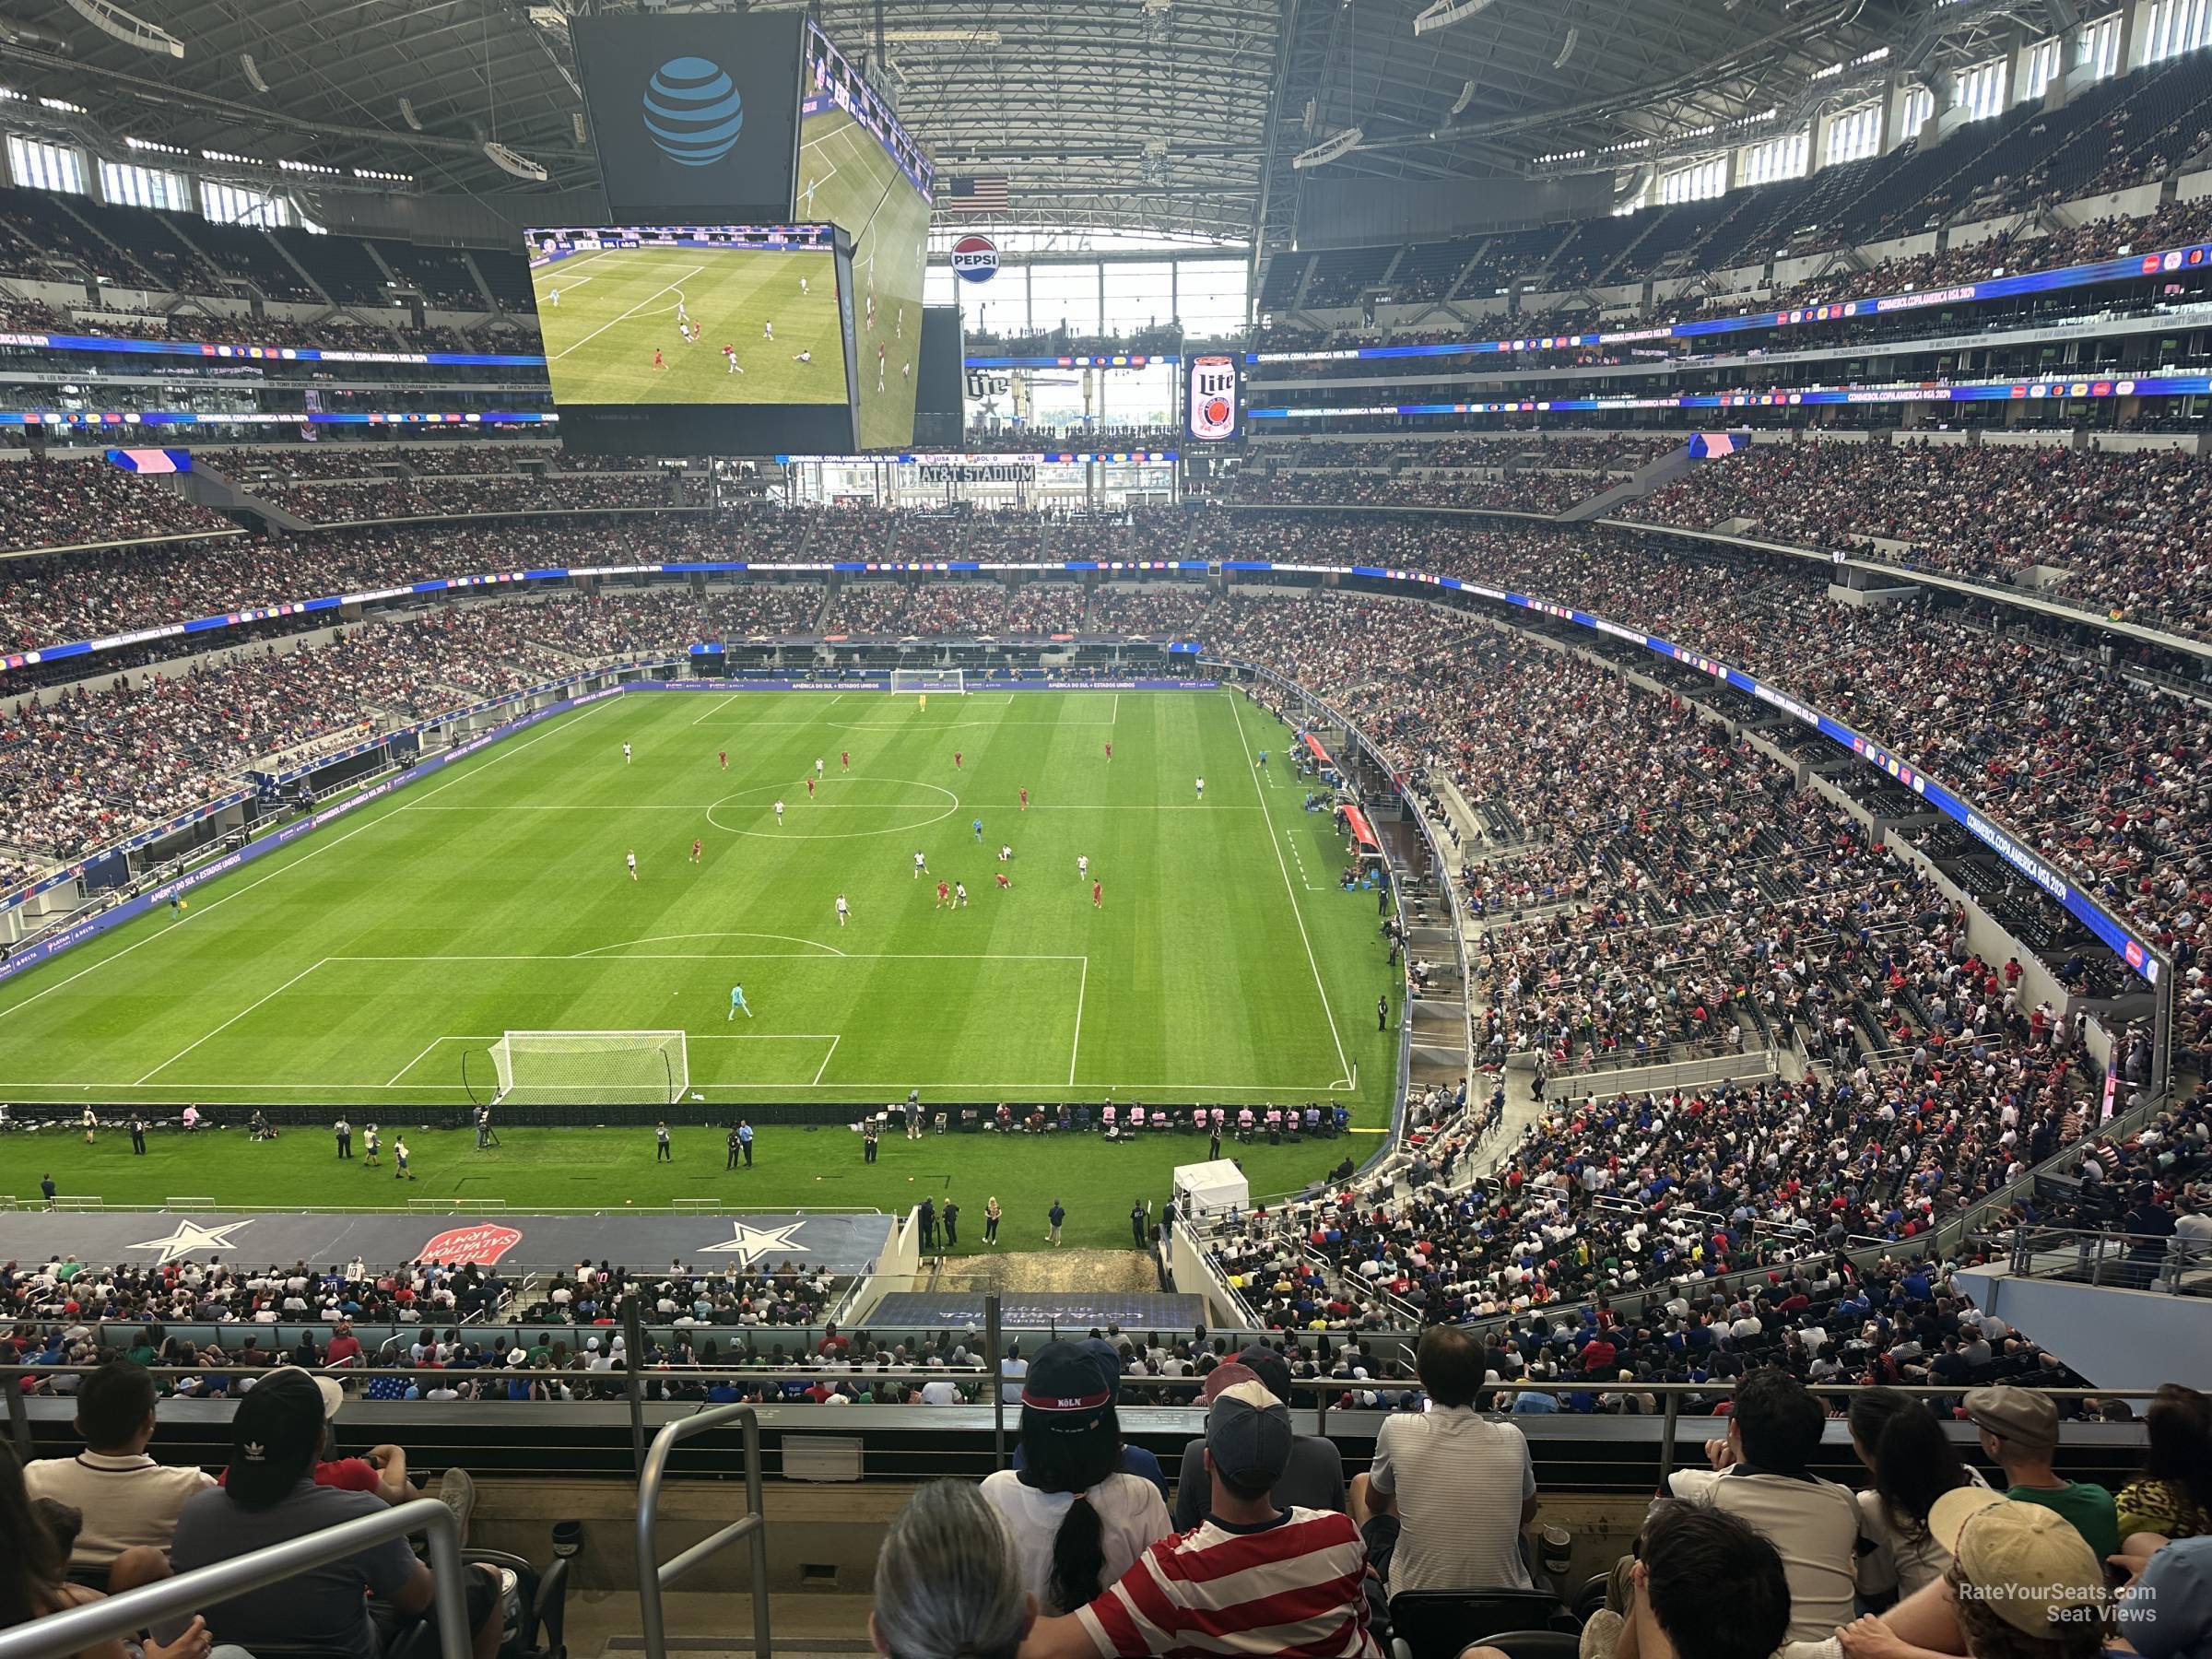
848,179
368,964
617,307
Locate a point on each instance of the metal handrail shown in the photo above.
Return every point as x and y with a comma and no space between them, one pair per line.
80,1628
654,1574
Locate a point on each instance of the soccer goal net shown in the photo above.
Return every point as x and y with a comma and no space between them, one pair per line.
950,680
589,1068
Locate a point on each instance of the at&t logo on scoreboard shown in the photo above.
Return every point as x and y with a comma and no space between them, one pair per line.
1217,401
975,258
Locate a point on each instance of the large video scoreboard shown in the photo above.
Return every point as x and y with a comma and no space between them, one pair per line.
761,289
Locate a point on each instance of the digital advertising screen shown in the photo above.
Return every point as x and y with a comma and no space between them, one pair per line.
1215,398
693,114
716,320
860,170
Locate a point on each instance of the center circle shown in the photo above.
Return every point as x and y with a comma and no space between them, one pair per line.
797,811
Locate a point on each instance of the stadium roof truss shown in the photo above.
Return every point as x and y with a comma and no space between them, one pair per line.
1179,117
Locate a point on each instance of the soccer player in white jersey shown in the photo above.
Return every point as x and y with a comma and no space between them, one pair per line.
681,314
554,295
802,357
1082,866
818,765
802,281
631,858
841,911
767,328
779,814
921,864
1202,789
729,356
625,753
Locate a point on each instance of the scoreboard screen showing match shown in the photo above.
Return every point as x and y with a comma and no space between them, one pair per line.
695,339
861,171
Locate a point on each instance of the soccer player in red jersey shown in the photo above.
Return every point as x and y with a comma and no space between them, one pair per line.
1004,885
810,789
656,359
1025,800
956,759
722,756
844,760
944,894
697,846
1097,897
1110,751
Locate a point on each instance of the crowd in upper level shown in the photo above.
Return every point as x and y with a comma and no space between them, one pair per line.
2120,532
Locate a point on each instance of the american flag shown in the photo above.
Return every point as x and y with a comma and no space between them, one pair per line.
976,193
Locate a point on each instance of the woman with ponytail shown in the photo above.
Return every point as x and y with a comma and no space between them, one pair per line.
1078,1522
1914,1463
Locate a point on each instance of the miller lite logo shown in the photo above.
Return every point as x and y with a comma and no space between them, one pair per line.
1213,398
975,258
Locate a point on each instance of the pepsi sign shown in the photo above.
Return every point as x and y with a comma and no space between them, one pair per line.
975,258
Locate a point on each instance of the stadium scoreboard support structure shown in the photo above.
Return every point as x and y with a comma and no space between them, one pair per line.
554,1068
952,681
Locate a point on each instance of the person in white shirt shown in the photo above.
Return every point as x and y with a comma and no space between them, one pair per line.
129,1501
1443,1504
1011,1371
1078,1521
1758,1474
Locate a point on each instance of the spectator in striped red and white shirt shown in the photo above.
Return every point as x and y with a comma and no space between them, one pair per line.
1251,1579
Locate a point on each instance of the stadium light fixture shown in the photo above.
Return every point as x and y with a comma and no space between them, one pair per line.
1566,49
1328,149
252,71
114,22
508,161
1445,13
1467,97
940,37
407,113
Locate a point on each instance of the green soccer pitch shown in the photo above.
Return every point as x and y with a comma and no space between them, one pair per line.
617,307
363,964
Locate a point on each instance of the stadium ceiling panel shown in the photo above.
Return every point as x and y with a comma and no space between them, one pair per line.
1175,116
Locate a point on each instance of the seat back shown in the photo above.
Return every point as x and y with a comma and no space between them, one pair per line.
1436,1624
1535,1644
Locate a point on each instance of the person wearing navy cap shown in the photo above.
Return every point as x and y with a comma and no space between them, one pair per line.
1078,1519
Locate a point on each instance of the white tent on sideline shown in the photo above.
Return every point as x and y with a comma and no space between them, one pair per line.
1203,1190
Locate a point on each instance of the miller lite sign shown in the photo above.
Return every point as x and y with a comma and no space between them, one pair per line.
1213,398
975,258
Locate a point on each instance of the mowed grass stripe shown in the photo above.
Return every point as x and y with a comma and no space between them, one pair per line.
1195,978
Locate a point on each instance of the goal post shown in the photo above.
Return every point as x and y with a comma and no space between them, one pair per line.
952,681
589,1068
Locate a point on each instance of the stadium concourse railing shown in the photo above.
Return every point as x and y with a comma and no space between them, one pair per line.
115,1618
1347,1409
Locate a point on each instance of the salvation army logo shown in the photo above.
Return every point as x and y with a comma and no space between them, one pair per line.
693,112
481,1243
975,258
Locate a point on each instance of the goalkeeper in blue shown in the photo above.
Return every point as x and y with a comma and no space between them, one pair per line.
737,1002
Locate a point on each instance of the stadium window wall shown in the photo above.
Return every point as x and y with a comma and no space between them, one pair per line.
1208,294
2101,43
237,205
126,183
38,165
2175,27
1852,136
1919,104
1699,181
1782,157
1980,91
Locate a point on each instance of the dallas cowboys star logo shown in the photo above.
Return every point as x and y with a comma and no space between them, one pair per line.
191,1236
750,1243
